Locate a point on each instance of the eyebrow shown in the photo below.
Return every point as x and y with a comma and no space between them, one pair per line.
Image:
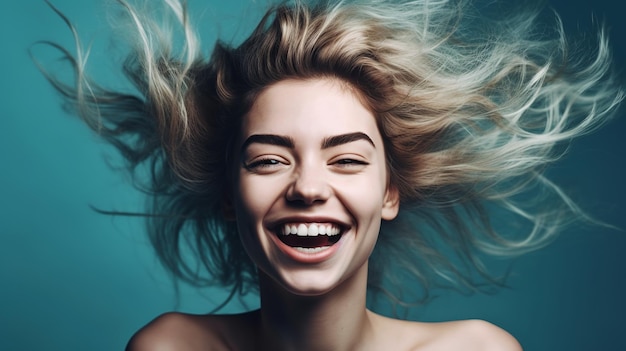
345,139
285,141
270,139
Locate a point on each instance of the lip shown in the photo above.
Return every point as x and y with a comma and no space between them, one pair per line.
306,257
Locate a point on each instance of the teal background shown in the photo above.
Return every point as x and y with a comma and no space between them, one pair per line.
71,279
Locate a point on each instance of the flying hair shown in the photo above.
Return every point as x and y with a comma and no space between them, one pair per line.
471,109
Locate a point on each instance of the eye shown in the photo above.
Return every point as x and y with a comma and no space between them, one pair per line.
348,164
264,165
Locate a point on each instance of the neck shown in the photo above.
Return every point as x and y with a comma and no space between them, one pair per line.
337,320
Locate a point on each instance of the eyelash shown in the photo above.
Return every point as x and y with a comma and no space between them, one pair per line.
268,163
262,163
350,161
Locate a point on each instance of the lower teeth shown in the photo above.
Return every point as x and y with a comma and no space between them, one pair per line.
312,249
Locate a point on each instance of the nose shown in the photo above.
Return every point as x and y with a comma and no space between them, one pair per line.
309,185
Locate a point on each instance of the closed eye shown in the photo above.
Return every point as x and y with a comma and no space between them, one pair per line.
264,165
350,161
349,165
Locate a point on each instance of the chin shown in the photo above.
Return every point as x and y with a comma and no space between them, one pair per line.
309,283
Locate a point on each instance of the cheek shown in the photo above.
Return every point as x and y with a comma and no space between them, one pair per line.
254,198
364,197
245,199
246,209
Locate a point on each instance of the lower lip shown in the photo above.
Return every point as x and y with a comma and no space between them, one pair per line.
307,257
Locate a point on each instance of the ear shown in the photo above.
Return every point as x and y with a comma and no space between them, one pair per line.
391,203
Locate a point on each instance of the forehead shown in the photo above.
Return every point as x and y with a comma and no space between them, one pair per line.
309,107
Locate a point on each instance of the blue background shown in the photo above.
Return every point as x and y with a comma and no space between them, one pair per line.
71,279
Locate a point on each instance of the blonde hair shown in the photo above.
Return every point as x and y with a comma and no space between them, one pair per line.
471,109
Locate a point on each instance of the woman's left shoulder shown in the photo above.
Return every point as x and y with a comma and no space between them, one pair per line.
469,335
482,335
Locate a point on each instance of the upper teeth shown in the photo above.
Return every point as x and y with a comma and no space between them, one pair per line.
312,229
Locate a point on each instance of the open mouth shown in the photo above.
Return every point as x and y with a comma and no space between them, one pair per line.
310,237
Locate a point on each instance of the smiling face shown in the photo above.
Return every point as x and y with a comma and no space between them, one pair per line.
312,184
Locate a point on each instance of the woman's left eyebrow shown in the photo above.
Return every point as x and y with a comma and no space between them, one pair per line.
341,139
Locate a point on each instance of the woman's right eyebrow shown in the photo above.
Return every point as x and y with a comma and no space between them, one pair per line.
270,139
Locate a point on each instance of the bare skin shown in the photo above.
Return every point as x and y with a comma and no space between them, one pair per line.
181,332
316,324
338,322
309,150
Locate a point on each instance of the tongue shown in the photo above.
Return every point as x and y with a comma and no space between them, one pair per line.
309,241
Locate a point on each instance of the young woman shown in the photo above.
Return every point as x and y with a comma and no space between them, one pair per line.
278,161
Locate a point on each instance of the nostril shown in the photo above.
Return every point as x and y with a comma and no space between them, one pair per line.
308,194
308,185
304,200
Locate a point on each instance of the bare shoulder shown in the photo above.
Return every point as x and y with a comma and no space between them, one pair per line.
467,335
486,336
183,332
471,335
176,331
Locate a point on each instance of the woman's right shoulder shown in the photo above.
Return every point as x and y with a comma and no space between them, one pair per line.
181,332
